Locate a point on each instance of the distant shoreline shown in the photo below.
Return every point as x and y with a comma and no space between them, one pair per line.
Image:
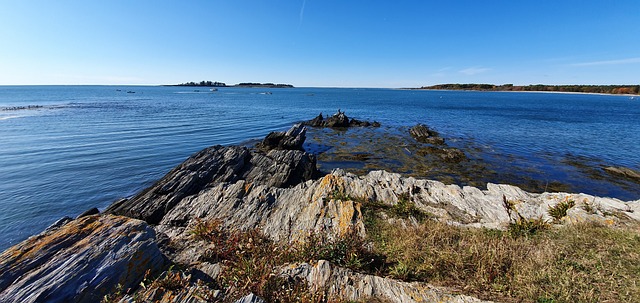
621,90
529,91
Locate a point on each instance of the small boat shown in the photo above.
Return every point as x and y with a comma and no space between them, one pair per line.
131,92
213,89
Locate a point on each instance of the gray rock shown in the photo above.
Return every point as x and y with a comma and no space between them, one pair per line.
79,262
61,222
250,298
289,140
347,285
215,165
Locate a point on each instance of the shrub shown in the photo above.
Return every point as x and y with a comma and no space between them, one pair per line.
559,211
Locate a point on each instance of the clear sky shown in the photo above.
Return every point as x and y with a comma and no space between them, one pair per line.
339,43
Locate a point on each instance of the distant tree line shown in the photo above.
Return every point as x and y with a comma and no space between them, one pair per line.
245,84
264,84
203,83
598,89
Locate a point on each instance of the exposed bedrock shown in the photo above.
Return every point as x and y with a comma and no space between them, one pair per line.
216,165
343,283
80,261
289,140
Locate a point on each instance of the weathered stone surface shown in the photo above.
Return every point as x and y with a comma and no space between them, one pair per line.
250,298
342,283
80,261
423,134
216,165
289,140
61,222
282,214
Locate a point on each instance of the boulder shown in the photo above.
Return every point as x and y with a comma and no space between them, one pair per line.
289,140
80,261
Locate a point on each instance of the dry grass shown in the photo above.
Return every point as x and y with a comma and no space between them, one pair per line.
250,258
579,263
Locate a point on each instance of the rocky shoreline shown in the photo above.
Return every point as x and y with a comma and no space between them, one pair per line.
163,244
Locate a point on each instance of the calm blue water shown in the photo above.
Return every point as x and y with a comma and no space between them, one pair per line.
90,145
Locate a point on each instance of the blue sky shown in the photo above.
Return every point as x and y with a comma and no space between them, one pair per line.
320,42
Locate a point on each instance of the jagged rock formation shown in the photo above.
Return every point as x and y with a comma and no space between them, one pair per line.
220,164
339,120
80,261
289,140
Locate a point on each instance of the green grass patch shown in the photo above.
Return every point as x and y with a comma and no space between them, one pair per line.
559,211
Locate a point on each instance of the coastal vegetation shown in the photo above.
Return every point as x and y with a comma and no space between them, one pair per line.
596,89
203,83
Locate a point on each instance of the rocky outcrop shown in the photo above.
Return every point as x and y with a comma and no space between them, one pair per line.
289,140
423,134
275,189
217,165
343,283
339,120
80,261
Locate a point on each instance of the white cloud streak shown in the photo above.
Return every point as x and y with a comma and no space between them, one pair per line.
609,62
474,70
304,2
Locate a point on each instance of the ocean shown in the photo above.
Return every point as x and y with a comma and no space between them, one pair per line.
66,149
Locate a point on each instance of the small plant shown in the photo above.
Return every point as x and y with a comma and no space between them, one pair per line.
114,297
171,280
589,208
559,211
348,250
523,227
405,208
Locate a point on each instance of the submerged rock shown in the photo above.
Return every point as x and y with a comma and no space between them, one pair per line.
80,261
623,172
450,155
423,134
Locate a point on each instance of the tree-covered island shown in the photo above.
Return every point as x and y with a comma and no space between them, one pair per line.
222,84
593,89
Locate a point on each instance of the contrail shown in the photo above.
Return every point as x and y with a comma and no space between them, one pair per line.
302,10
